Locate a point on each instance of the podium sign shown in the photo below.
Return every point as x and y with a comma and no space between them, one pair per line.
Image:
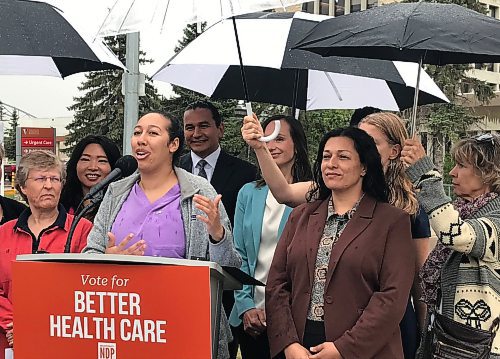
96,310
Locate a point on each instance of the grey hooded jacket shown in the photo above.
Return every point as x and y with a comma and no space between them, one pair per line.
198,244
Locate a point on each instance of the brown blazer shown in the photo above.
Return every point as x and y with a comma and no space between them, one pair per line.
367,286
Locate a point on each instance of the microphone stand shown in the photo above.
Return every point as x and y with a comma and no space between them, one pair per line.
93,203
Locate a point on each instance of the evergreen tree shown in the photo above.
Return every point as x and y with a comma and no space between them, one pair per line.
317,123
100,109
10,139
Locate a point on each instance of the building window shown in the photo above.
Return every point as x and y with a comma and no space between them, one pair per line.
308,7
465,87
355,5
339,7
324,7
489,66
478,66
493,11
372,3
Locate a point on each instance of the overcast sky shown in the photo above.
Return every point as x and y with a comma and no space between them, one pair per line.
50,96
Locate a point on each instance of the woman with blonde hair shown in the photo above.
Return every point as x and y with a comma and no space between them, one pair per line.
461,279
389,134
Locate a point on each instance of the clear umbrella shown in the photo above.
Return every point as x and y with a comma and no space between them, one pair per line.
128,16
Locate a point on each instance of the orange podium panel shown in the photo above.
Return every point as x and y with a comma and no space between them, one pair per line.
111,310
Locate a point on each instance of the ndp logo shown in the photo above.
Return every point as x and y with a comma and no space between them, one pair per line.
106,350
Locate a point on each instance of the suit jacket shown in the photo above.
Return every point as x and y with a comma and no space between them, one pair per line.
367,283
230,174
11,209
247,230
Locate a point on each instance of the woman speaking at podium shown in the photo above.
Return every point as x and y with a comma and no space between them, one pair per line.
163,210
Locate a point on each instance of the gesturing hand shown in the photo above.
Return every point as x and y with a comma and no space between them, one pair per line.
212,219
252,131
135,249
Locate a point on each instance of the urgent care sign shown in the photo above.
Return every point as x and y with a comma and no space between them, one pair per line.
35,138
92,310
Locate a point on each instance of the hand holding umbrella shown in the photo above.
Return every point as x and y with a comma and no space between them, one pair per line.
252,132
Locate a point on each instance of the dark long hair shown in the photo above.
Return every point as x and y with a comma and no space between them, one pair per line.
373,182
175,130
301,168
72,192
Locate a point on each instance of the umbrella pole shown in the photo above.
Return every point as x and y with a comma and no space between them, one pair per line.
242,69
413,129
248,104
295,92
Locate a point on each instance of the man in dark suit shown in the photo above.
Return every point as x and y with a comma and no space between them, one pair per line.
203,130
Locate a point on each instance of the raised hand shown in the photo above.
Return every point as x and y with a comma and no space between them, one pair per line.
412,151
252,131
137,248
211,209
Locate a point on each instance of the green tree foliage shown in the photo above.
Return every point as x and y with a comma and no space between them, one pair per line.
317,123
100,109
10,138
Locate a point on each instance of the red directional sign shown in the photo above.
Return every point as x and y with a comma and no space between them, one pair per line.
38,142
33,138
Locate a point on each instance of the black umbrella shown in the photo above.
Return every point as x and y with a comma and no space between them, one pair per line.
429,33
36,39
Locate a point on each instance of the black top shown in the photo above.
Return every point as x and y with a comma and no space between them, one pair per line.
11,209
420,227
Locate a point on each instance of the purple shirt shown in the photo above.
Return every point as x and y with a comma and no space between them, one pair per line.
159,224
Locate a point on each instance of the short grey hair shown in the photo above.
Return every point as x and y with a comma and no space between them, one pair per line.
37,160
483,156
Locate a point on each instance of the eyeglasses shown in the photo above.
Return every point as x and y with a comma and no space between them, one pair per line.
43,179
485,138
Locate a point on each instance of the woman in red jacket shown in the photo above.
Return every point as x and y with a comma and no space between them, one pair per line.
43,227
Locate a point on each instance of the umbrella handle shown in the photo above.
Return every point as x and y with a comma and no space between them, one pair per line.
277,125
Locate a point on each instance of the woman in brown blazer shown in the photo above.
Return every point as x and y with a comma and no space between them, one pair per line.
339,282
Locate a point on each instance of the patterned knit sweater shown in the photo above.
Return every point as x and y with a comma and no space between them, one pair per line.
471,296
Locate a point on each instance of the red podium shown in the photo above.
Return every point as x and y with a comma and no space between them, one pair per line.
116,306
